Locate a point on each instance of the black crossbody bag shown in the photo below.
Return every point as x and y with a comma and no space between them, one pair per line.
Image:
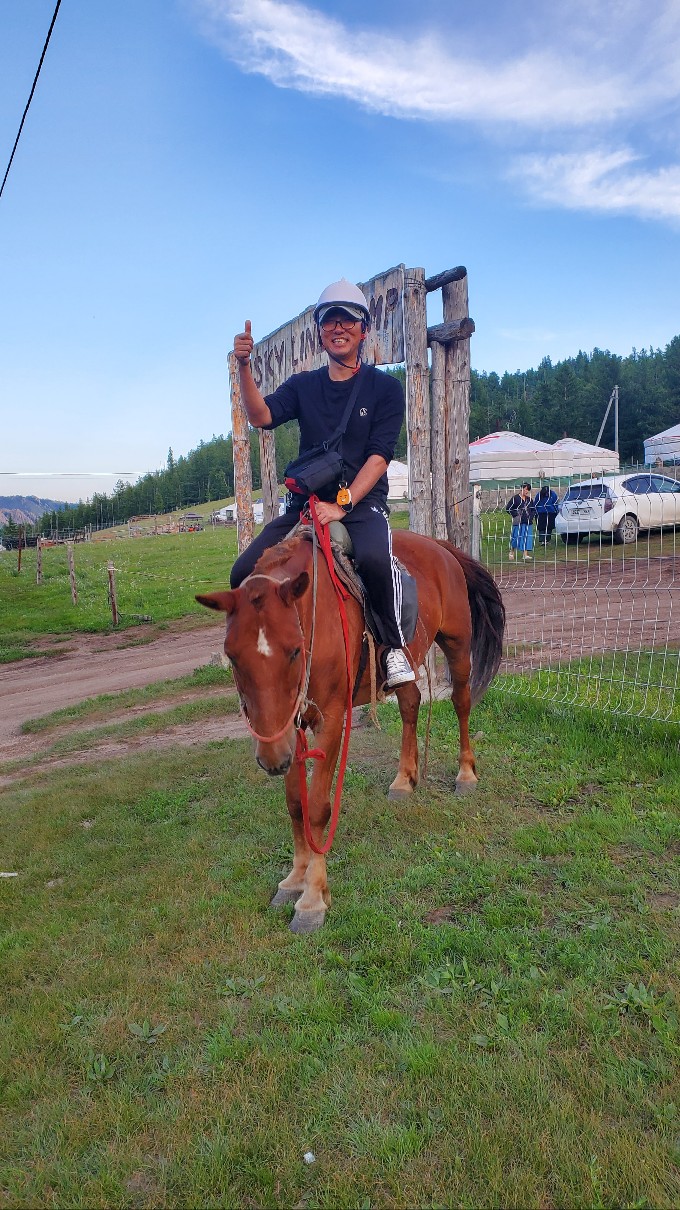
323,464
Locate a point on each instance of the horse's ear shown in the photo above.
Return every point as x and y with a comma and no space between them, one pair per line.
225,601
290,590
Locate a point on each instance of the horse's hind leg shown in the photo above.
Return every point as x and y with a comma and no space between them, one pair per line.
408,697
458,661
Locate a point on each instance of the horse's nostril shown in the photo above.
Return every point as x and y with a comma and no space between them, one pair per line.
278,770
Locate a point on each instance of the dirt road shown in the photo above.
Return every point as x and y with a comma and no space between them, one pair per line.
88,665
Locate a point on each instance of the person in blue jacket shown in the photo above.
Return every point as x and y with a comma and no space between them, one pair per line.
546,509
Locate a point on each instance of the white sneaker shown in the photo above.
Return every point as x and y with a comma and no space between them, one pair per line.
397,668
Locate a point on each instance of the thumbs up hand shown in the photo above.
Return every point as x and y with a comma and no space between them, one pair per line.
243,345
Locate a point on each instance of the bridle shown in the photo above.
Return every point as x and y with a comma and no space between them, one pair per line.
301,699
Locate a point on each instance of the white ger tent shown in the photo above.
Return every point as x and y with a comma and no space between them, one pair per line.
510,456
665,445
572,457
397,479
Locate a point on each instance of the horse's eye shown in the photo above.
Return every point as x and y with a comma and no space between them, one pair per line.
294,655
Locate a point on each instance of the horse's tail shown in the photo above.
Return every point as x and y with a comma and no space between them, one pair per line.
488,621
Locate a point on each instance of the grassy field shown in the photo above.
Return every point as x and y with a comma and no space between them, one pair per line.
488,1018
630,683
156,580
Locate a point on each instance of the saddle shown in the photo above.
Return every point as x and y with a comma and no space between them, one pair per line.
343,552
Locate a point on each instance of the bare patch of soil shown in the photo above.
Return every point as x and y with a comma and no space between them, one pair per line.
96,664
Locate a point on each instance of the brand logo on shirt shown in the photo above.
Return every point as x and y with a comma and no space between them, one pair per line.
363,411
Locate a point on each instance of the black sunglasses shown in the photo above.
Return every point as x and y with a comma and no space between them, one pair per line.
329,325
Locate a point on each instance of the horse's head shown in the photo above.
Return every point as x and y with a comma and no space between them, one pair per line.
265,646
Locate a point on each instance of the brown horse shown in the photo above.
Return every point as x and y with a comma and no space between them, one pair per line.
269,623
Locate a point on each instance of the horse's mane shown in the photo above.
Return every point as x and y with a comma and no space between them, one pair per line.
276,556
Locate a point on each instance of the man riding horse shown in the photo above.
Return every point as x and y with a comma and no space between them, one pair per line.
317,400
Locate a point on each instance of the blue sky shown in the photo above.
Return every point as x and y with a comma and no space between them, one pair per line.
186,164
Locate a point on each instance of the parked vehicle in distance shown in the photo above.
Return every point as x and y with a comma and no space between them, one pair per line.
620,505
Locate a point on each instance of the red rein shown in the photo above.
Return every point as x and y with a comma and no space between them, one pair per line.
303,752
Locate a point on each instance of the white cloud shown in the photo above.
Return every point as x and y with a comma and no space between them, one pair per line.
296,46
561,70
603,181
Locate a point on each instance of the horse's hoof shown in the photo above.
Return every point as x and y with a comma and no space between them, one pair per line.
285,895
396,792
465,787
402,787
307,921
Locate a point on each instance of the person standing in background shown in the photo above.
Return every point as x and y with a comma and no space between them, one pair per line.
546,508
521,509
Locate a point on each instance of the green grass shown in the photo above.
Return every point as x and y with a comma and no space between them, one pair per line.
628,683
597,548
489,1016
156,578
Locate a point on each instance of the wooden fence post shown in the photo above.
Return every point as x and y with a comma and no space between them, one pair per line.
438,439
476,548
455,298
243,479
72,572
270,486
38,562
20,547
112,592
417,400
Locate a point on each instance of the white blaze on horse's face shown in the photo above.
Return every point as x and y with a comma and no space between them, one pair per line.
262,644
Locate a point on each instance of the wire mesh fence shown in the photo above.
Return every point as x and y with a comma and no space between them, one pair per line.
592,596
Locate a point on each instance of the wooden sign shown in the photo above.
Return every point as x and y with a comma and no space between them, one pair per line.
295,346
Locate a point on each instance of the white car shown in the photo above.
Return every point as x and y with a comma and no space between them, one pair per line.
619,505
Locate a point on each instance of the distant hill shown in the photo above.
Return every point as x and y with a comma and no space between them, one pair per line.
26,510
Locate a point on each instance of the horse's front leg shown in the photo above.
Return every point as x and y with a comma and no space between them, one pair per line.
291,887
408,697
311,907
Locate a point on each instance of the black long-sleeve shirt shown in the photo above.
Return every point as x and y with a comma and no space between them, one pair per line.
317,402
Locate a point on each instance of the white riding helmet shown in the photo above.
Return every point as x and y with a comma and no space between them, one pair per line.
343,295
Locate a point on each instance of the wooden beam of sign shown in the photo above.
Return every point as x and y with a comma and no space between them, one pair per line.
442,279
457,329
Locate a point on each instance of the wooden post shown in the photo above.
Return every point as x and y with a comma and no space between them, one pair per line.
438,439
455,298
270,487
112,593
476,550
72,572
20,547
243,478
417,400
38,562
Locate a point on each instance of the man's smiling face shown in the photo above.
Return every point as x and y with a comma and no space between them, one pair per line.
341,335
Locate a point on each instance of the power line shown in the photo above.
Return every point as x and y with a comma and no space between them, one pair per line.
71,474
35,81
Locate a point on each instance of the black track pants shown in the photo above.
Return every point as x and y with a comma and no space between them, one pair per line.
371,535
